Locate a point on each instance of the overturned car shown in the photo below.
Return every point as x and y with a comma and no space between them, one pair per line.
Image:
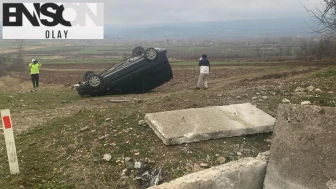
143,71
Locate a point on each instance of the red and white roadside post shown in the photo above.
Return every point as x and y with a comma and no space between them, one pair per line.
10,143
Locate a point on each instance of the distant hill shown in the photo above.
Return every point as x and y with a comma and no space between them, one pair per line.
219,29
254,28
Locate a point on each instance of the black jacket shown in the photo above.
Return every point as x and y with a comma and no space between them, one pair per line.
204,62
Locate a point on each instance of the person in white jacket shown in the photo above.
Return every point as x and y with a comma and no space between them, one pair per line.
204,72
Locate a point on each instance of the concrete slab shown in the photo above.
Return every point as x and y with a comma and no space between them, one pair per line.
247,173
192,125
303,150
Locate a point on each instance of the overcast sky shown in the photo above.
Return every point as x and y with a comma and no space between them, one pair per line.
144,12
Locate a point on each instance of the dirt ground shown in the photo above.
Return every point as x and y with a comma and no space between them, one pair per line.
224,80
262,85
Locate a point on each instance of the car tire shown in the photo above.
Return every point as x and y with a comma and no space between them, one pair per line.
95,81
86,75
138,51
151,54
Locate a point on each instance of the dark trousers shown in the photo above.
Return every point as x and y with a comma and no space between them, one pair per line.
35,80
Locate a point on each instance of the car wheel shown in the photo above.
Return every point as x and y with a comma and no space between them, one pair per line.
151,54
138,51
95,81
86,75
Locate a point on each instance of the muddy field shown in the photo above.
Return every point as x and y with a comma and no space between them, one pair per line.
185,77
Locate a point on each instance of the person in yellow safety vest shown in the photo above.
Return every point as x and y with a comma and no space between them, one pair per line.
34,73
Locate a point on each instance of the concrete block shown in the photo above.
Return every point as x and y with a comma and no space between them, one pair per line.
192,125
303,150
247,173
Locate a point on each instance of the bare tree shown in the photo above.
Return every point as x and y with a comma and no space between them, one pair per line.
307,49
281,51
324,47
326,17
18,63
258,52
4,64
